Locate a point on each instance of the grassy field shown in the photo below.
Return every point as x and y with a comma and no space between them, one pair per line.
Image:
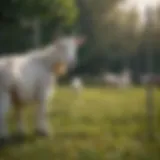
100,124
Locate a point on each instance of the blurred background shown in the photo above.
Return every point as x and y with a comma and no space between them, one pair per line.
118,32
117,113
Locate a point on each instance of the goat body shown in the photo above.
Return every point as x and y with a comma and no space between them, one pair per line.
30,77
24,79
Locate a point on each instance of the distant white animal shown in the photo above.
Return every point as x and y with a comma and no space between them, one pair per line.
153,79
111,79
29,78
125,78
144,79
118,80
77,85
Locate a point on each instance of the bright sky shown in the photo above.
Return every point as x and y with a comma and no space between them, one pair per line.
141,5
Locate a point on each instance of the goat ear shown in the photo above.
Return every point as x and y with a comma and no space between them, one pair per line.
80,40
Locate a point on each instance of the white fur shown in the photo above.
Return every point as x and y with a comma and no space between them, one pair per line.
122,80
77,85
125,78
145,79
32,77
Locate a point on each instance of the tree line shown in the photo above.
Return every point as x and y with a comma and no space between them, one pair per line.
115,39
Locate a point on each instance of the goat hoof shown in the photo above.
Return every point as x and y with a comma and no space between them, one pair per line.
42,133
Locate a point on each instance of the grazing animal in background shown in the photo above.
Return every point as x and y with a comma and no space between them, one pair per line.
29,78
144,79
111,79
150,79
125,78
122,80
77,85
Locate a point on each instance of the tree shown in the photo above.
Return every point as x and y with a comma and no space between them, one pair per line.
109,30
16,34
47,10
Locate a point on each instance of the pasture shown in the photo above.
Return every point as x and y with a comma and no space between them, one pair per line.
99,124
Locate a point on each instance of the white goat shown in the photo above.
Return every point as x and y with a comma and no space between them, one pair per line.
118,80
28,78
77,85
125,78
111,79
145,79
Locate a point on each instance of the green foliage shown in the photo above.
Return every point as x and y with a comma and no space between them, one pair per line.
66,11
111,33
18,35
116,39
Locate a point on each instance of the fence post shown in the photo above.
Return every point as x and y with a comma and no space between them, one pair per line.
149,89
36,32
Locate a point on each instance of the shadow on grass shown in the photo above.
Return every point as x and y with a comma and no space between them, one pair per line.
16,140
77,146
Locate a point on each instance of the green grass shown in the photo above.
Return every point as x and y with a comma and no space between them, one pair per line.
100,124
